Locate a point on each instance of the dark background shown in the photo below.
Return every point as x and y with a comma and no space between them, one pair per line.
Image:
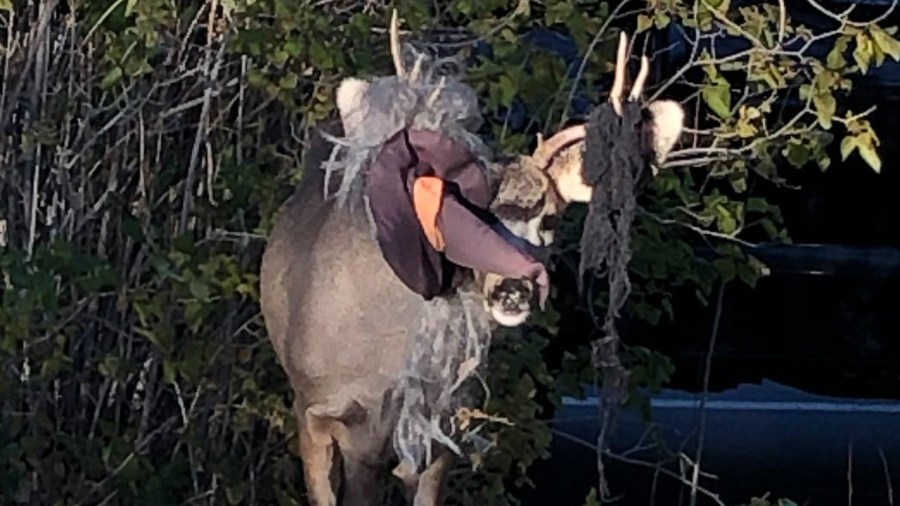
825,322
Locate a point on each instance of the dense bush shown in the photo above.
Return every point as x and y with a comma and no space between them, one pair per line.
146,146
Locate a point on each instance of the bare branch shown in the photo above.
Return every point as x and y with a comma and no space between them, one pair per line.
782,21
590,49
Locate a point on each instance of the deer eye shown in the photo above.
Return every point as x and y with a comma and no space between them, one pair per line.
549,222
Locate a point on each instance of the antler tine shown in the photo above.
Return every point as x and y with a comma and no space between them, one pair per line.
547,149
641,78
395,46
615,94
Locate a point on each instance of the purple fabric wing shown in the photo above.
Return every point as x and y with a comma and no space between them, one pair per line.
470,241
400,237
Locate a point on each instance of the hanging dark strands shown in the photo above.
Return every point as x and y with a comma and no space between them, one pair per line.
621,139
614,161
613,164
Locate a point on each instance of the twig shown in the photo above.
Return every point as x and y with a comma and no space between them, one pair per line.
844,16
701,231
887,477
43,23
705,397
637,462
850,474
782,21
584,59
200,137
139,447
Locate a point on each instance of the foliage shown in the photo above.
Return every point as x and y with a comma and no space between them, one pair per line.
769,104
764,501
146,147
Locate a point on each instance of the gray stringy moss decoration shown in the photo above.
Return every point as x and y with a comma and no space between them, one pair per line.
450,347
614,161
454,337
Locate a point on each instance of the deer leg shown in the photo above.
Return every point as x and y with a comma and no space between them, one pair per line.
428,488
318,451
361,480
328,440
318,454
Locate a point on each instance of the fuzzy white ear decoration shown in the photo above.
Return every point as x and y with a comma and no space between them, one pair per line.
668,121
350,99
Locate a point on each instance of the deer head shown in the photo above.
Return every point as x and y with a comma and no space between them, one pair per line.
535,190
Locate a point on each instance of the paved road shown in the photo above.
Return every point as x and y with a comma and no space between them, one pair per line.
759,438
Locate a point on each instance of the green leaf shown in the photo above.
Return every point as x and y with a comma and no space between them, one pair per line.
661,20
507,88
863,52
170,372
826,106
591,499
835,59
320,56
6,5
726,268
847,146
559,12
111,78
739,183
757,205
644,23
726,220
288,82
234,493
292,47
796,154
886,43
718,98
279,58
868,153
745,128
199,290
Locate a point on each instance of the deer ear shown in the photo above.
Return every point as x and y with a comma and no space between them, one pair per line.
667,124
351,103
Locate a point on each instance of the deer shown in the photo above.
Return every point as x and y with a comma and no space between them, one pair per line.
340,321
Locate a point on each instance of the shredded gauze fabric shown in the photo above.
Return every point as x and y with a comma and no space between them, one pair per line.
433,99
614,161
452,342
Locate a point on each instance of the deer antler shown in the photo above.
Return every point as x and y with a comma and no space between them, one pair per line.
618,87
395,46
546,150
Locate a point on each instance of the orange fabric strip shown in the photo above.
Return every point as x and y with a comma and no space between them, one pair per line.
428,191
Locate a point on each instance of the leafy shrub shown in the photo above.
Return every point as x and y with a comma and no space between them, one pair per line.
146,150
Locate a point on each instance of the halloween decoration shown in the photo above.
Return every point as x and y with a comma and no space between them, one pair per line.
384,346
429,197
427,194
